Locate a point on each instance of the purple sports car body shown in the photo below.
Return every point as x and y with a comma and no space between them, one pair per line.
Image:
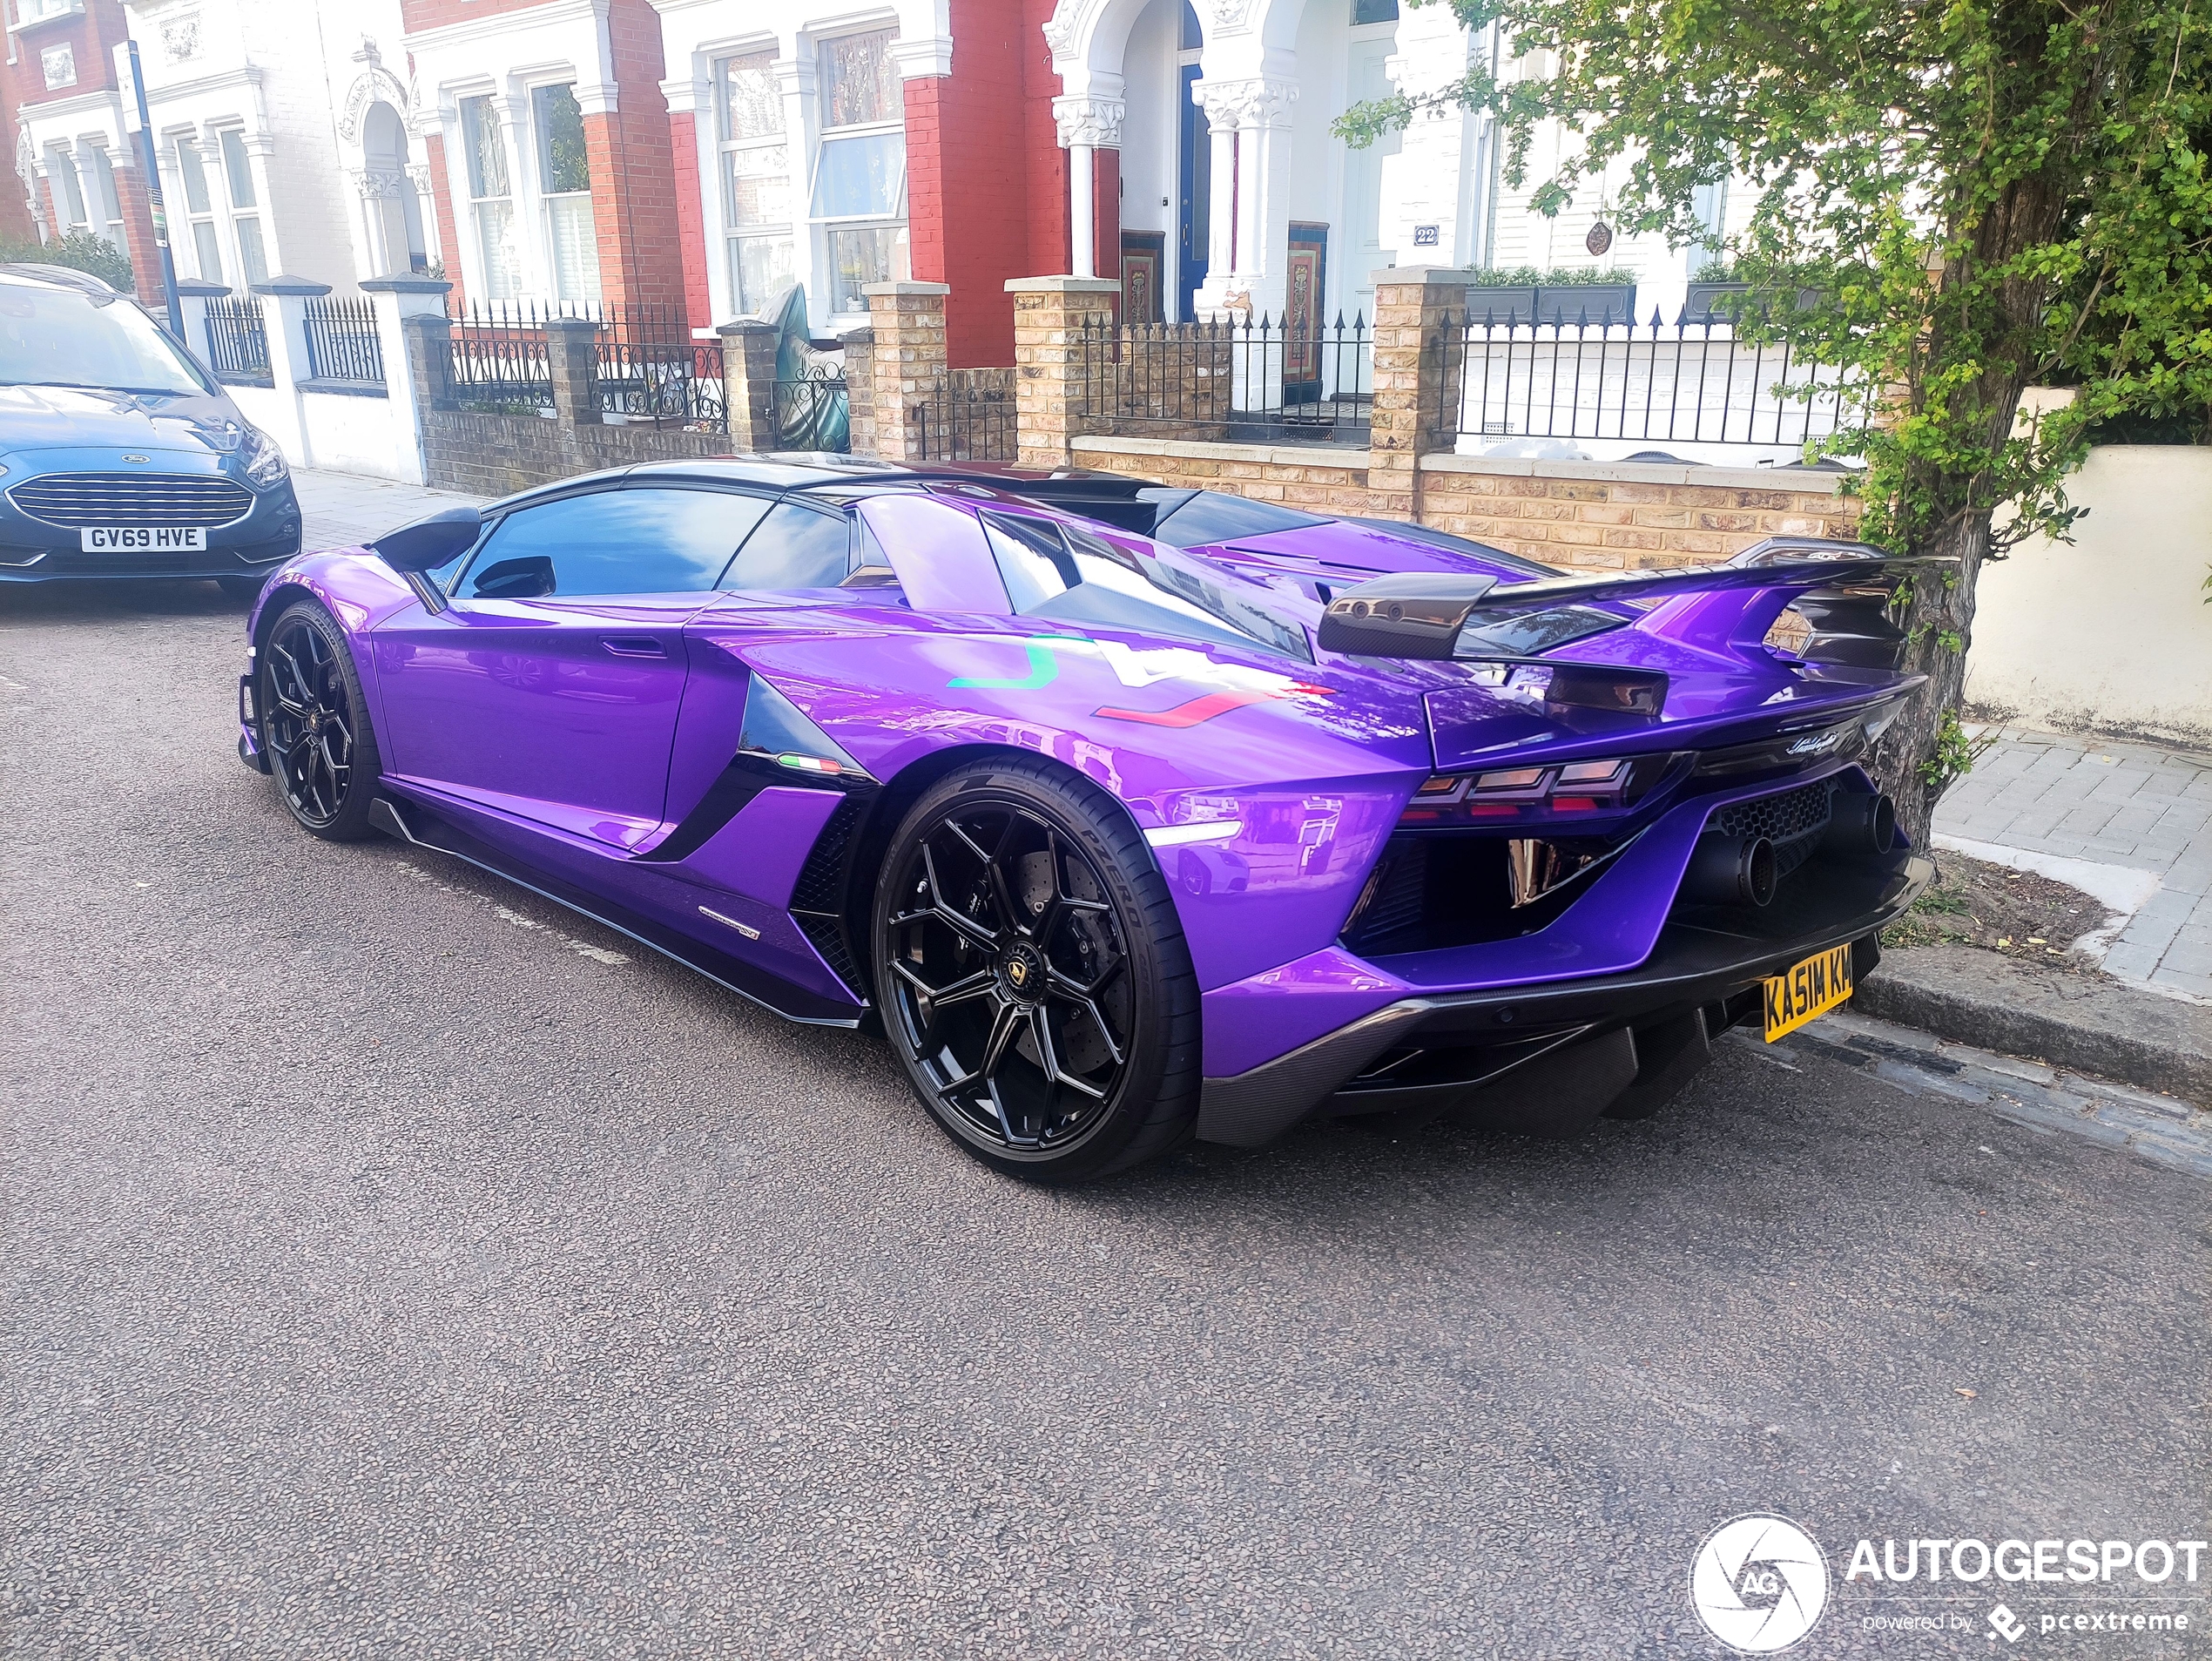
1129,814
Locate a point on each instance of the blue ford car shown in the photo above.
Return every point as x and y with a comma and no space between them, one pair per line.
123,456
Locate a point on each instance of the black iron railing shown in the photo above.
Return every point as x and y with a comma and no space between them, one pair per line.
1234,378
1691,381
649,368
812,412
237,341
341,341
498,357
970,416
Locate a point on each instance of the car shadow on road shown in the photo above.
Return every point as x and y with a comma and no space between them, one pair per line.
119,601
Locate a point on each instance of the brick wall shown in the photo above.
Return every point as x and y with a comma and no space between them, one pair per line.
1602,514
635,203
981,170
690,224
434,146
499,454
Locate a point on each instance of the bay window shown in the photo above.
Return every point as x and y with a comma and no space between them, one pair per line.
564,177
756,179
69,195
491,204
858,191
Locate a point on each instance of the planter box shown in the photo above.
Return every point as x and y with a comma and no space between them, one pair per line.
1601,303
1697,305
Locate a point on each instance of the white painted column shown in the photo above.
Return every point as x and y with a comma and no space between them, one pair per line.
1082,213
1087,122
394,299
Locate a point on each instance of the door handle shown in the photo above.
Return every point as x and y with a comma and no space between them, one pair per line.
633,646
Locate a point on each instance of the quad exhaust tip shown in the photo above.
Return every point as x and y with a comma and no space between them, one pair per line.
1861,824
1727,871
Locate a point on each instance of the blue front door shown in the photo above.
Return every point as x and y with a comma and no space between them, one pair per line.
1195,164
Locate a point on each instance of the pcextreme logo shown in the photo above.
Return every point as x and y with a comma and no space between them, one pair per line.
1758,1584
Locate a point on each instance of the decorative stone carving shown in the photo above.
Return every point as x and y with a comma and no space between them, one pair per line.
1095,122
377,184
1060,28
374,84
1230,107
181,38
1228,14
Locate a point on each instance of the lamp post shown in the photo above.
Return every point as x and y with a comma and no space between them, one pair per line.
155,210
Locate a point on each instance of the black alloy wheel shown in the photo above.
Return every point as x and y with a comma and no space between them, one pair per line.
315,724
1033,976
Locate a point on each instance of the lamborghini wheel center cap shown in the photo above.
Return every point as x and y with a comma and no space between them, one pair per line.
1022,971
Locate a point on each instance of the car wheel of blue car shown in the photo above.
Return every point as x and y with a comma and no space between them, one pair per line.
315,726
1033,974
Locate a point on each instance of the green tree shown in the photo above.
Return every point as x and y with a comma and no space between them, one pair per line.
80,250
1957,201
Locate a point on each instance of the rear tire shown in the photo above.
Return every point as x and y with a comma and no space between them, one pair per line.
314,722
1033,976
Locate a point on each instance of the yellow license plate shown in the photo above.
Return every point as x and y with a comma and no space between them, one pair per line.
1811,989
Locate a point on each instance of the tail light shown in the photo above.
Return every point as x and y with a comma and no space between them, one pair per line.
1504,793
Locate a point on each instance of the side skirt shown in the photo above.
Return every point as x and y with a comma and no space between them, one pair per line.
732,974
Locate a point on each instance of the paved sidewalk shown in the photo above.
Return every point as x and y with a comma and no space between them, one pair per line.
343,509
2129,806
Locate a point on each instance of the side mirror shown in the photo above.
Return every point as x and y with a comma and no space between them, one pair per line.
428,544
530,577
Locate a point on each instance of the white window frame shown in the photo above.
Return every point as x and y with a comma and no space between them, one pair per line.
825,228
30,12
473,236
541,153
726,149
202,215
240,214
61,168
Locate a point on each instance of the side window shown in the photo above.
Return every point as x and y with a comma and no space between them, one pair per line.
796,546
648,541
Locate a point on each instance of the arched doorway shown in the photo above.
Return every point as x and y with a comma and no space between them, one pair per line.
388,193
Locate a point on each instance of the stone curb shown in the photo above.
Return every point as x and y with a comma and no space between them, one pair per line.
2067,1018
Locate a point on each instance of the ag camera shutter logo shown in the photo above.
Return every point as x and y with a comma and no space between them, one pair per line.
1759,1583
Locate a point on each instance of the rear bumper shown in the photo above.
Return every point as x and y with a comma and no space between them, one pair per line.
1438,1053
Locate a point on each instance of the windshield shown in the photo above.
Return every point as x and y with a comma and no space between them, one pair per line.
1200,519
60,337
1066,572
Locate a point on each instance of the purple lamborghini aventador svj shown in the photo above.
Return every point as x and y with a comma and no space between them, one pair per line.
1125,814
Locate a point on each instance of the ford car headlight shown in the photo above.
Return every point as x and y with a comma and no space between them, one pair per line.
262,460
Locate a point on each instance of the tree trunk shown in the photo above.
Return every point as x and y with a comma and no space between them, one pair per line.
1916,761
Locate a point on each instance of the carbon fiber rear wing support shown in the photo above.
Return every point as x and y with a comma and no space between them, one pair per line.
1421,614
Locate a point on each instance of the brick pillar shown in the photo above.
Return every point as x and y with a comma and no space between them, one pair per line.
429,360
860,387
572,348
749,382
137,227
1419,362
906,358
441,205
1048,314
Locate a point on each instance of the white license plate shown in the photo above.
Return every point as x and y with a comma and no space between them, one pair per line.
159,539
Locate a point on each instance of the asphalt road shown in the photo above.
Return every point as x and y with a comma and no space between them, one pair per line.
397,1266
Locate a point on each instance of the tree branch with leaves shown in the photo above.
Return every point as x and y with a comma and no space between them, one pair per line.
1954,203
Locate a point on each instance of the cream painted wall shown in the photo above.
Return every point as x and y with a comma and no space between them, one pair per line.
2111,631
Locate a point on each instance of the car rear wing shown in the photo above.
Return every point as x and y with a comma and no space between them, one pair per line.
1421,614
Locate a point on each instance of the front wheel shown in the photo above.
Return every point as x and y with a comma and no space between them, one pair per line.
315,726
1033,974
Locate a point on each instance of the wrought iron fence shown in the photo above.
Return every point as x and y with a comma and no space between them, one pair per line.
237,341
1690,381
649,368
967,418
812,412
498,357
341,341
1234,378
